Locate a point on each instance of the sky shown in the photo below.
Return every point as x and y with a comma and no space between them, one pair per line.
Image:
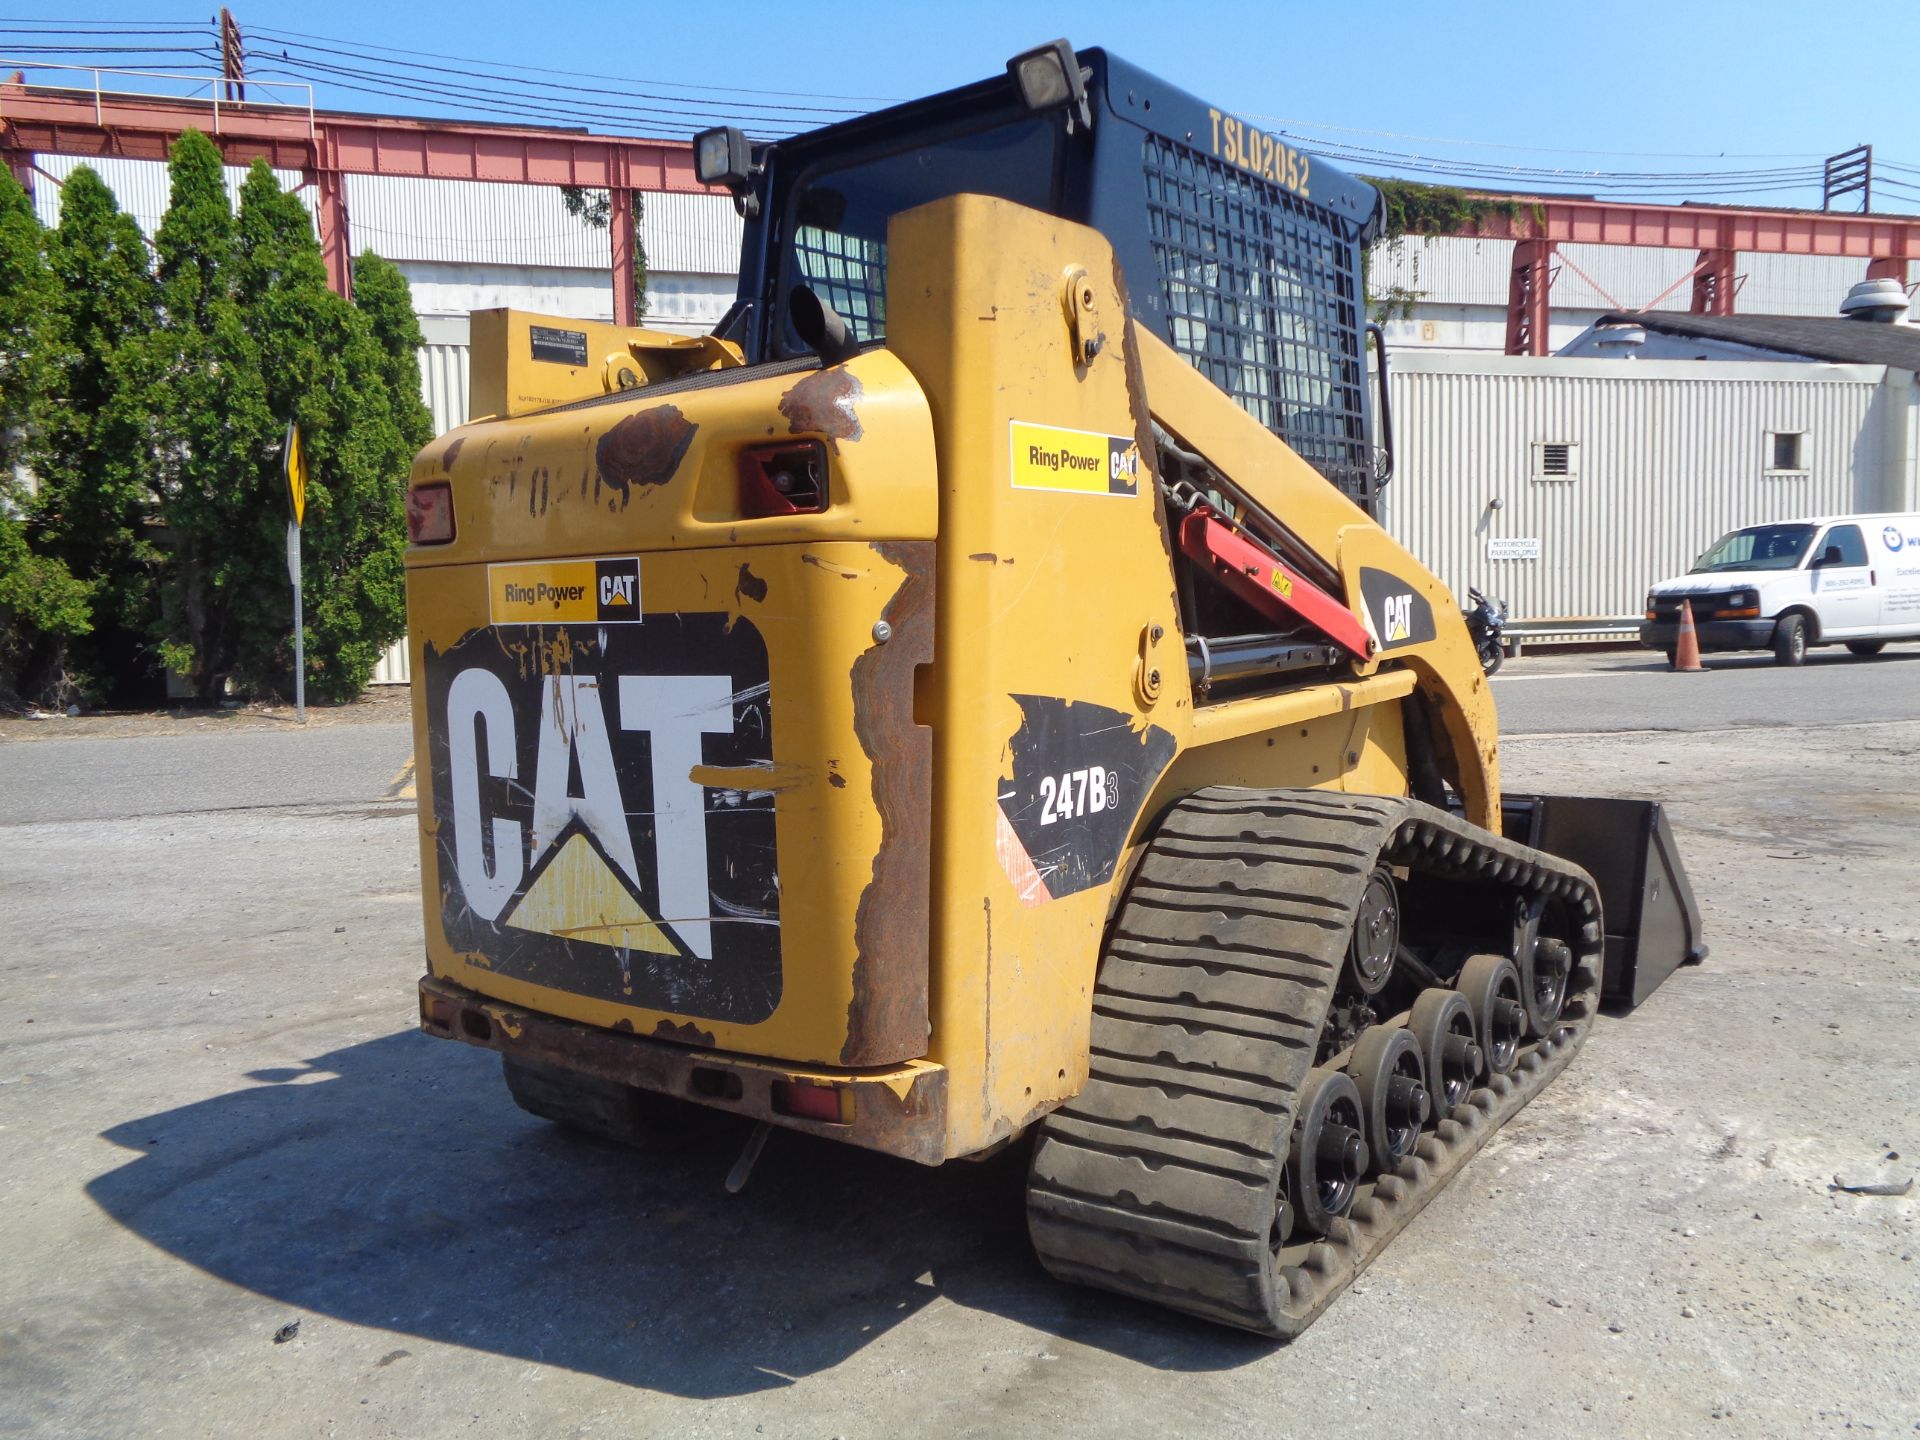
1503,96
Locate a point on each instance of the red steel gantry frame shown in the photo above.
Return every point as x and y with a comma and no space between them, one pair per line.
327,147
1886,242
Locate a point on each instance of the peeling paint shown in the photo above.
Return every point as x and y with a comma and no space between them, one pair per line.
683,1034
887,1015
750,585
823,403
644,449
827,565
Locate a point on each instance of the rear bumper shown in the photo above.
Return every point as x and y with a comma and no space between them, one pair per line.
899,1109
1713,634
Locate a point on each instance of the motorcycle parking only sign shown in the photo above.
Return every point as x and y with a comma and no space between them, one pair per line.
1513,548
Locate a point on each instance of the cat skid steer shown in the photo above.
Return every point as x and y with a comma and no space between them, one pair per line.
972,695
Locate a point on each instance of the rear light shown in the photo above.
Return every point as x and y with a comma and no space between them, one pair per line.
784,479
430,513
827,1103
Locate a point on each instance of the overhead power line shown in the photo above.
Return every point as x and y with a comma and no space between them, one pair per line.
578,74
1318,126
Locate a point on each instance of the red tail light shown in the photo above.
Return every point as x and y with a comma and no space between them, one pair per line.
430,513
809,1102
784,479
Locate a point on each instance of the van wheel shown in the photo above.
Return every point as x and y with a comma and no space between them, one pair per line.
1790,640
1864,648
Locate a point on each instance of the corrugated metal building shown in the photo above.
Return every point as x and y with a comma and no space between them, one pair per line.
469,245
1566,486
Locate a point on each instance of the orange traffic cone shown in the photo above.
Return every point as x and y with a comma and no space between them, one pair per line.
1686,648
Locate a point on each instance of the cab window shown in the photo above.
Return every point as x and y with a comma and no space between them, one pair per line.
1846,539
840,212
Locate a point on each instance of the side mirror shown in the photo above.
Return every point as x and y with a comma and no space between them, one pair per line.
1829,557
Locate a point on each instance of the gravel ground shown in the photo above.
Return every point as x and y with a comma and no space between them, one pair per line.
216,1120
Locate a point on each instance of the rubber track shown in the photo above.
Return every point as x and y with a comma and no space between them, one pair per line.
1158,1180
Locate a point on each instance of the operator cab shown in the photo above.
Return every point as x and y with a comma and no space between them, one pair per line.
1243,253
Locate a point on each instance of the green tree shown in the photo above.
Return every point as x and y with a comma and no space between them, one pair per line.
323,365
42,604
26,293
381,293
208,426
94,503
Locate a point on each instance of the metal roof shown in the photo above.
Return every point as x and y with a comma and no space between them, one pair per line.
1818,337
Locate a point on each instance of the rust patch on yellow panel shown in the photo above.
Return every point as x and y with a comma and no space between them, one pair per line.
683,1034
749,585
644,449
823,404
887,1016
452,453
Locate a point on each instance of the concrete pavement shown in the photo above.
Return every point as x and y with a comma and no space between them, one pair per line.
1590,692
217,1119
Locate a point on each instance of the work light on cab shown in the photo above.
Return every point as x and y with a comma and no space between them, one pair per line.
722,156
1050,78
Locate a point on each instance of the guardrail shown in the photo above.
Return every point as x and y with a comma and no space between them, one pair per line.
1589,627
209,84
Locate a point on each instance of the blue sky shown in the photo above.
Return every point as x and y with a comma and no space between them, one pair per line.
1697,87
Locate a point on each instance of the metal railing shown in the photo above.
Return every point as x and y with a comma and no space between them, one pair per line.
102,92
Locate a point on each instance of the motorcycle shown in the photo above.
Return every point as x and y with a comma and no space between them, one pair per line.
1486,618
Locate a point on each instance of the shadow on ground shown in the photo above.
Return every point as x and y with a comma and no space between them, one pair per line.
393,1184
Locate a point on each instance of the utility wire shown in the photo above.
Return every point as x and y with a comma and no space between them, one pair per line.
493,104
581,74
578,89
1303,126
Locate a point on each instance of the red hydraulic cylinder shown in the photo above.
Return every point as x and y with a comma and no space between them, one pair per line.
1268,583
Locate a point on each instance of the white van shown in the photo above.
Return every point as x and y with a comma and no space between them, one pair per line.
1837,579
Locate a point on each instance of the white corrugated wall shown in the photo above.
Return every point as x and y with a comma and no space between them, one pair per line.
1670,456
466,222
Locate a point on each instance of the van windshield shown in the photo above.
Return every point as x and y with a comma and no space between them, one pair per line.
1758,547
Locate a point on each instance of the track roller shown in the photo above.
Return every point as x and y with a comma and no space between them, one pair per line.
1491,986
1328,1156
1441,1024
1210,1164
1543,984
1390,1073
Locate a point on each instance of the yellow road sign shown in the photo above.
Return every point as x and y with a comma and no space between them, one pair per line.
294,457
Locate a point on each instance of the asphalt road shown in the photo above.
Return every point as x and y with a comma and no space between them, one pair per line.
153,775
1628,690
217,1119
1573,693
